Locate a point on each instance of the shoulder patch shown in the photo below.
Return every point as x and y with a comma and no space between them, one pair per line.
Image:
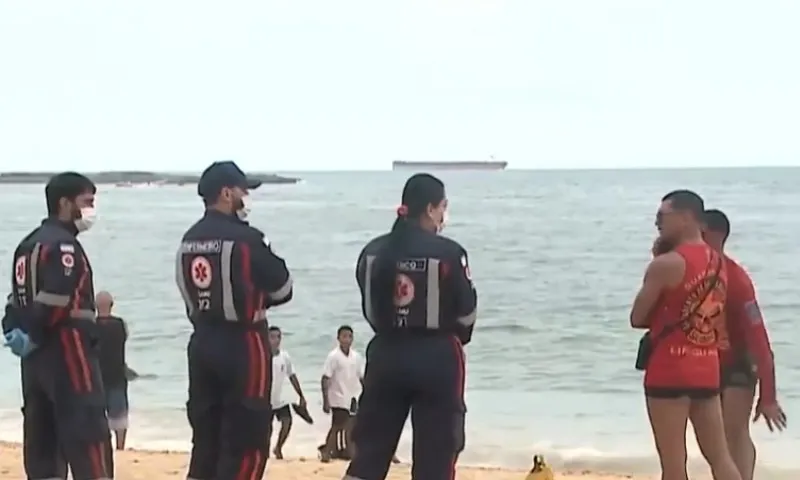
67,248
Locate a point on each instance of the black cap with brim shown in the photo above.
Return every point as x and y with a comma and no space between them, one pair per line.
224,174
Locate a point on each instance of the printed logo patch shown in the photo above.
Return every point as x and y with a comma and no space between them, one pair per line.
201,273
20,268
68,260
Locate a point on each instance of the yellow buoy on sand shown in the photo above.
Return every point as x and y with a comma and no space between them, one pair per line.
540,470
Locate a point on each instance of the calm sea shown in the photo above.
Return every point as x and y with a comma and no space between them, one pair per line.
556,257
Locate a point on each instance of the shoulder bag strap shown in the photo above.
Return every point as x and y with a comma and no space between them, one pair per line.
673,326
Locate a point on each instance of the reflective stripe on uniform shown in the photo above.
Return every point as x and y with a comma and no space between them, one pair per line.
33,265
432,310
52,299
469,319
226,258
368,311
282,292
180,280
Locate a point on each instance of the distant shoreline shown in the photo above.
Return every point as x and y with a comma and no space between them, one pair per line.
128,178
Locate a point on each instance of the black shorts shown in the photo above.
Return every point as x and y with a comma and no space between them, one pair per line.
283,413
678,392
742,374
340,416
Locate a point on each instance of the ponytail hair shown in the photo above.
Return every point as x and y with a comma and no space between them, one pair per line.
420,191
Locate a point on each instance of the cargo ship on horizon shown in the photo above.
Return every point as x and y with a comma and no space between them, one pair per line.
490,164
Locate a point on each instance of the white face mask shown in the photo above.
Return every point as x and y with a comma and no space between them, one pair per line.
88,218
243,212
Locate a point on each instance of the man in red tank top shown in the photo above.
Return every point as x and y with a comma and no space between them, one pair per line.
747,360
681,303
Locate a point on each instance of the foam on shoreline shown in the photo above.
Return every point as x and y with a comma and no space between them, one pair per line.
157,465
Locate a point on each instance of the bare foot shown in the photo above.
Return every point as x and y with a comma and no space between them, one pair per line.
278,454
395,459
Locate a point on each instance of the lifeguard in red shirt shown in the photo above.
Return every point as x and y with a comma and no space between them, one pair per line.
746,359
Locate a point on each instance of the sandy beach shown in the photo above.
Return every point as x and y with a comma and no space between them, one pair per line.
145,465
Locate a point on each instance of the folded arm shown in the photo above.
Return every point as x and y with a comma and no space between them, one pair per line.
272,275
466,298
60,274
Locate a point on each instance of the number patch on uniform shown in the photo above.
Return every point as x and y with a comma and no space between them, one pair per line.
20,267
204,304
753,312
201,272
403,290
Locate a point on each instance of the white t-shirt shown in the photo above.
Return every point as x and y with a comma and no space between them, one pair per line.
345,373
281,370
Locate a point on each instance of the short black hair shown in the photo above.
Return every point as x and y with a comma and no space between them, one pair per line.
275,329
66,185
344,328
718,222
686,201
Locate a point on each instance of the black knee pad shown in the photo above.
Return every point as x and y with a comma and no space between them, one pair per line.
250,424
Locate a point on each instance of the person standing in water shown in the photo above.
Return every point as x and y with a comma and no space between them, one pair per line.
112,333
282,369
342,375
681,302
748,360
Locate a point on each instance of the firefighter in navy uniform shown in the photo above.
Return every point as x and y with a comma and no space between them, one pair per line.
228,276
53,331
418,297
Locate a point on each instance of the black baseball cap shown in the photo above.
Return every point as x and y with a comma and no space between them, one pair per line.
717,221
224,174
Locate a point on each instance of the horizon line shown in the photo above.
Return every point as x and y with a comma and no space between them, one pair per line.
375,170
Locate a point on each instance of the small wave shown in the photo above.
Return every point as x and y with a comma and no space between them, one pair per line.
507,328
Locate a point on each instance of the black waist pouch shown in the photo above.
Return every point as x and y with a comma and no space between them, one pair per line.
645,352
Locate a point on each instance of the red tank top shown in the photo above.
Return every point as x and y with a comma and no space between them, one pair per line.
688,357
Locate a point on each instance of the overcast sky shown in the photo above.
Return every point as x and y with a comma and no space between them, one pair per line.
353,84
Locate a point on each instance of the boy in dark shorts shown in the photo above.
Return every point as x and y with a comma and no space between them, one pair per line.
282,369
113,335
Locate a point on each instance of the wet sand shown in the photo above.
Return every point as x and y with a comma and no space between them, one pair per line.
147,465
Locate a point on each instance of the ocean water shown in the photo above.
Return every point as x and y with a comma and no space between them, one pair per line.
556,257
